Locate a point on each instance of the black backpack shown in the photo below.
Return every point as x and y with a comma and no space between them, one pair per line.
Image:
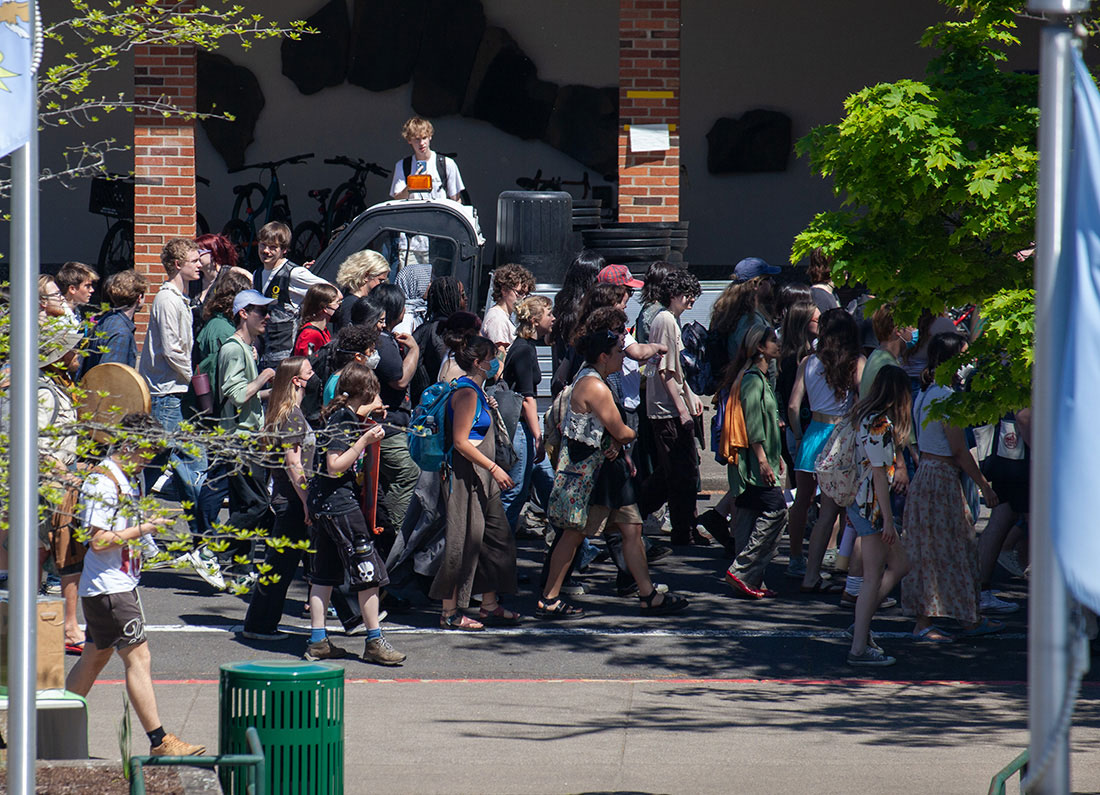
324,365
695,358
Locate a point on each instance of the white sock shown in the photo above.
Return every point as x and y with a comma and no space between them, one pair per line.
853,585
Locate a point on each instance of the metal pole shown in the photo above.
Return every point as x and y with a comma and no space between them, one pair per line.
1048,606
23,451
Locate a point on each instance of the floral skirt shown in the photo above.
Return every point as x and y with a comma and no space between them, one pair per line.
943,550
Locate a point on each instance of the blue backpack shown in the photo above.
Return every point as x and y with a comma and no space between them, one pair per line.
428,441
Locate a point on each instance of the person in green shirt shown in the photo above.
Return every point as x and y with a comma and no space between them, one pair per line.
891,343
762,511
239,385
218,321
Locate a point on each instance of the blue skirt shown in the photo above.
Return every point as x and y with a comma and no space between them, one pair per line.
812,441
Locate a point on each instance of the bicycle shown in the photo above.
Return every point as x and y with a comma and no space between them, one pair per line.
311,237
538,183
253,202
112,196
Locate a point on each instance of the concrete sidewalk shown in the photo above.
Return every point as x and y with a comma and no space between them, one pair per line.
687,736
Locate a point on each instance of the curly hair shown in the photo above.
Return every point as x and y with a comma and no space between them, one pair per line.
598,333
125,288
359,268
174,252
529,312
678,283
838,349
511,277
352,341
220,302
417,127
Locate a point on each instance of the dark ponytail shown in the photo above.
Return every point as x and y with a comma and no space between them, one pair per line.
356,380
477,348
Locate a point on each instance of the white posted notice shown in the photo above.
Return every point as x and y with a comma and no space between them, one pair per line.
648,137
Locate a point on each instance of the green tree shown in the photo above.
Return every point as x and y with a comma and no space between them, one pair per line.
85,41
938,184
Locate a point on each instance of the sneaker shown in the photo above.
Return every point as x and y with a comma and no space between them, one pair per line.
871,642
264,635
829,560
1010,562
717,525
989,603
172,745
324,650
655,551
573,588
52,584
849,600
205,564
380,652
796,569
871,657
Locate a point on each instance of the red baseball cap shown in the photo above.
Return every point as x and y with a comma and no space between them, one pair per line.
618,274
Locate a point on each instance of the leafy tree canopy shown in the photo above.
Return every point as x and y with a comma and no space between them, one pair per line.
938,182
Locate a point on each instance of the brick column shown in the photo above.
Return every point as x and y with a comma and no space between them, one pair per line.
164,158
649,93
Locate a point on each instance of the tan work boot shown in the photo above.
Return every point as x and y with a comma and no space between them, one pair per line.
381,652
172,745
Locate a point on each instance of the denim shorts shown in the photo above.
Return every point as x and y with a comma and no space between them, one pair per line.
861,525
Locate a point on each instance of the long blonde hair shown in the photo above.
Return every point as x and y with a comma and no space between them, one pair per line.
281,401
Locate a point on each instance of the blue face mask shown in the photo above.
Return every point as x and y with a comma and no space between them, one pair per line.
494,368
913,341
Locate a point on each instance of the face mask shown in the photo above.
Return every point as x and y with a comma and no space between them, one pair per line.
494,368
373,359
912,340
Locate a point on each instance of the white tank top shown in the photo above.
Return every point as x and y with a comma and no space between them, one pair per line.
821,396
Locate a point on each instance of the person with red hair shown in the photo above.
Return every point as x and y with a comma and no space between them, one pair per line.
216,252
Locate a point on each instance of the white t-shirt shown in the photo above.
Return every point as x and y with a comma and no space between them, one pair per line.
117,568
632,377
665,330
454,185
498,327
931,438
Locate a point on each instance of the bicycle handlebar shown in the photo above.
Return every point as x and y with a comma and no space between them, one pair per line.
296,160
359,165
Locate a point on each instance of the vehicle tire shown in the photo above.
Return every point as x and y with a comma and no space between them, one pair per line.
307,242
117,252
346,205
240,235
249,198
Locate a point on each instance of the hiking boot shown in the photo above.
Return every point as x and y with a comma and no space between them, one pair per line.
380,652
324,650
172,745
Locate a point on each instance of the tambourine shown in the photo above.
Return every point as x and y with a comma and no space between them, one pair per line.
111,391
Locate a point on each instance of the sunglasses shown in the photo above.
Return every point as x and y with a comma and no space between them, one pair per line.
259,310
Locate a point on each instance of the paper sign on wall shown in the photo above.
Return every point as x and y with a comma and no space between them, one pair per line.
648,137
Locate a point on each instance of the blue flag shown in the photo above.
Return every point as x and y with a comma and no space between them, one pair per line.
16,79
1075,471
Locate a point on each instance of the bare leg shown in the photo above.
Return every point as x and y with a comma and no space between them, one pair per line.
874,557
450,607
139,684
559,562
70,593
806,484
634,552
87,668
1001,520
319,596
819,537
368,606
856,563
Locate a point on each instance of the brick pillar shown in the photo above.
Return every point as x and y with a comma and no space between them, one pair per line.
164,158
649,93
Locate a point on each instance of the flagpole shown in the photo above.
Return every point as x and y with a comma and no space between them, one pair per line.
23,450
1048,605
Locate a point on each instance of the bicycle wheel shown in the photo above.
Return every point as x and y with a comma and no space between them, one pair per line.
249,197
307,242
346,205
117,252
240,235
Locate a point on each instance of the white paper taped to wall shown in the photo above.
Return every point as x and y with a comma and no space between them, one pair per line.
648,137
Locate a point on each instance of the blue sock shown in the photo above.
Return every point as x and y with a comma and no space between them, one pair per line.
317,635
374,634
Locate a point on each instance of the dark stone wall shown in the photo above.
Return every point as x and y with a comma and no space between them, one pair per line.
224,86
758,141
318,61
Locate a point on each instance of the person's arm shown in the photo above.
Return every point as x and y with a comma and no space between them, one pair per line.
956,437
464,404
639,352
174,322
409,362
595,396
794,404
881,484
860,364
295,470
1023,423
234,377
339,462
398,188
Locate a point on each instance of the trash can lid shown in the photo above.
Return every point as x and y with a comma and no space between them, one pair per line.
283,669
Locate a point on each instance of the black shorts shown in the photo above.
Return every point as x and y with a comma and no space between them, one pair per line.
334,540
115,620
1017,493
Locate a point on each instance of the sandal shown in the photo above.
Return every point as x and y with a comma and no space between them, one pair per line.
823,586
931,634
459,622
498,616
557,610
987,626
74,647
671,603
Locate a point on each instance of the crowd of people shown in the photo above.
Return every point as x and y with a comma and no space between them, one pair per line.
331,381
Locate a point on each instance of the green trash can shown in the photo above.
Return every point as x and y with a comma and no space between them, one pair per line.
298,710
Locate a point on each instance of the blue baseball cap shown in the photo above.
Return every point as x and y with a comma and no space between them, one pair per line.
751,267
247,298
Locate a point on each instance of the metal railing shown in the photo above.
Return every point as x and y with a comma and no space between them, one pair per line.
255,762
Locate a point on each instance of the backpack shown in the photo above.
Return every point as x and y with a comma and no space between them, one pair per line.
718,359
837,466
551,425
428,445
440,168
693,358
322,363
